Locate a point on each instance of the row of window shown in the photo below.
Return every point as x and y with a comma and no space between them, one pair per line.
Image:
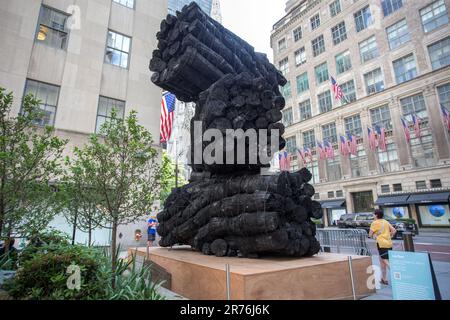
405,69
48,95
432,16
53,31
420,185
421,148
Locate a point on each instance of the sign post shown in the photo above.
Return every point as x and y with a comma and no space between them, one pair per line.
412,276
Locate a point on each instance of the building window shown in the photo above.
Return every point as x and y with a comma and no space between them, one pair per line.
52,29
335,8
302,83
318,46
369,49
422,148
126,3
398,34
444,96
286,90
282,44
339,194
309,139
359,164
329,133
389,6
287,117
325,102
339,33
421,185
436,183
315,22
363,19
313,167
440,53
374,81
353,125
349,91
105,108
397,187
385,188
381,117
334,170
321,72
434,16
388,159
291,145
118,49
48,95
300,56
284,66
343,62
405,69
305,110
330,194
298,34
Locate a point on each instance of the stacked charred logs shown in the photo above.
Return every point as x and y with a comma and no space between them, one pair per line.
228,209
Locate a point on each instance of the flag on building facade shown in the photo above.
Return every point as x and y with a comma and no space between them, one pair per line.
321,151
353,144
302,156
417,122
308,153
329,150
337,90
406,130
372,138
284,159
381,132
167,116
288,157
446,116
343,146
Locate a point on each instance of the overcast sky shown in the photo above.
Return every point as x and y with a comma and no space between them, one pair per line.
252,20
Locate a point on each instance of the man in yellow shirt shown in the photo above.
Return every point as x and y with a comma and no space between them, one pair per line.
383,232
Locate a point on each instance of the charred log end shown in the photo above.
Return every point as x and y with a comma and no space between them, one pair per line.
219,248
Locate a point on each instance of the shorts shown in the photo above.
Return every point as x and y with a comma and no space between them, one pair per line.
151,237
384,252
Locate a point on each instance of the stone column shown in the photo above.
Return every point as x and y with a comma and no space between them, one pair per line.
399,139
372,159
345,161
436,124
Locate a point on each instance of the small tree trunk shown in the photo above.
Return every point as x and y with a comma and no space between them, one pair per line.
74,230
90,233
113,253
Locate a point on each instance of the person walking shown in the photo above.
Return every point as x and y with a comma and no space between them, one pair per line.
151,231
382,231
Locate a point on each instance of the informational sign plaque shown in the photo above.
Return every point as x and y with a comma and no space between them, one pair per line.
412,276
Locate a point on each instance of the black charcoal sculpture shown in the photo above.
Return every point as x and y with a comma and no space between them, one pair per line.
230,209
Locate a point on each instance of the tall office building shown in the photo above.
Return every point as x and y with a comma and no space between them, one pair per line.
391,59
177,5
81,59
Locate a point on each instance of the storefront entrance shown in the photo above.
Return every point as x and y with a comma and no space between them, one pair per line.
363,201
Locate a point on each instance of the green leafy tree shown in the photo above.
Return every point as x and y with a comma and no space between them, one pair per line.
122,171
30,161
168,178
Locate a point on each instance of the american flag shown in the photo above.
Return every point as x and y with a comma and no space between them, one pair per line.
343,146
302,155
321,151
167,116
338,93
308,153
353,145
406,130
381,138
417,122
329,150
446,116
372,139
287,157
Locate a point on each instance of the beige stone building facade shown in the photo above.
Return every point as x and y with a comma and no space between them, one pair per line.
392,60
81,59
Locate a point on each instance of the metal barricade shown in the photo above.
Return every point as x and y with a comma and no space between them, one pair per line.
343,241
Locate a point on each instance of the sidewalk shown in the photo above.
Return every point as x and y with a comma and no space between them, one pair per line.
442,270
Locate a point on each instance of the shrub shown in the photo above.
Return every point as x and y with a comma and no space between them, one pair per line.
43,275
